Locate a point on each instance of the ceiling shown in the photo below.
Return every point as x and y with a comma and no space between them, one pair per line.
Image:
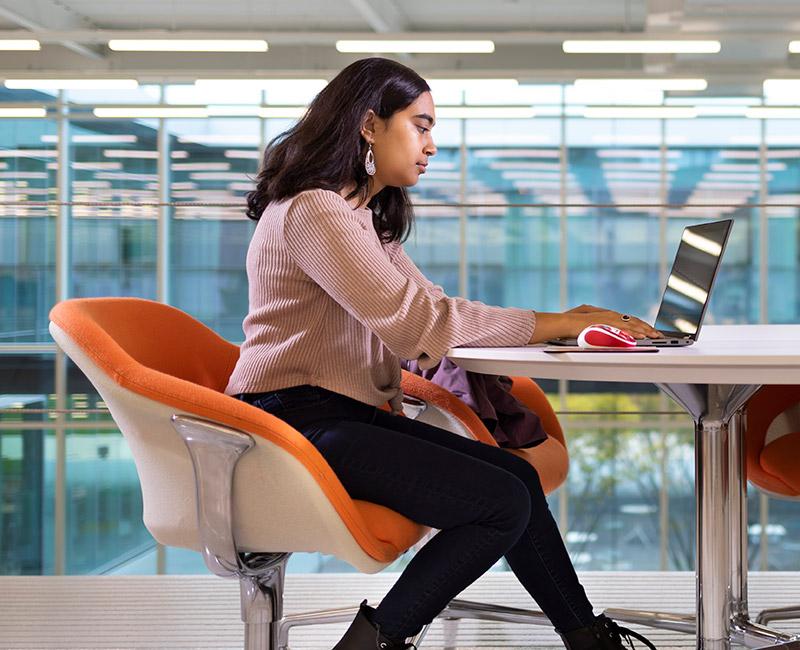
301,33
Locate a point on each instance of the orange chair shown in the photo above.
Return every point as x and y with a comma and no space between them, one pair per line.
232,482
773,455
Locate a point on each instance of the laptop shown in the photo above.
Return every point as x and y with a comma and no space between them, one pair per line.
689,285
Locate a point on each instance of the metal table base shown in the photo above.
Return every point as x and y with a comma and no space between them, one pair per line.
721,616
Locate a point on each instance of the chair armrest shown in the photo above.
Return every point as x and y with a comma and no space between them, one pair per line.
215,449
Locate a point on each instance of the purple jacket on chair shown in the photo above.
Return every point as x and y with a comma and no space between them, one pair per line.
509,421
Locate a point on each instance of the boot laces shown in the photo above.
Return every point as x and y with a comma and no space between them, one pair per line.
618,633
384,644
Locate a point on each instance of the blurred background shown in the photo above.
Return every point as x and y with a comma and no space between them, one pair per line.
576,140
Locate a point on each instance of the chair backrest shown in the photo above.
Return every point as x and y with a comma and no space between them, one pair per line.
550,458
445,410
149,361
773,440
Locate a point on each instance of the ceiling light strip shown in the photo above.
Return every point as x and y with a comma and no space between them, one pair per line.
187,45
641,47
416,46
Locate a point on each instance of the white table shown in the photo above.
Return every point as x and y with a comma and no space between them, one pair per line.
712,380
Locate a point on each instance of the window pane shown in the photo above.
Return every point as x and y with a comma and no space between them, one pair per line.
27,233
114,247
613,251
718,165
783,236
212,161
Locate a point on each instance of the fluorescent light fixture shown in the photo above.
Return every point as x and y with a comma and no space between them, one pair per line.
486,112
143,112
640,84
794,47
23,112
252,154
287,112
96,165
28,153
219,176
635,153
232,111
467,85
72,84
781,91
503,164
261,84
747,167
186,45
94,139
516,153
476,91
40,176
220,138
19,44
640,47
416,46
721,111
640,112
201,166
695,100
773,112
612,96
129,153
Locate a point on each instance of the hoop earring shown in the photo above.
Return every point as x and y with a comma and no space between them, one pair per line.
369,162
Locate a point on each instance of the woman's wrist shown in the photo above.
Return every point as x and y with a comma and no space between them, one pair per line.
553,325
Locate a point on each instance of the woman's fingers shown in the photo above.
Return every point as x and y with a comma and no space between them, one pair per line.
639,329
636,327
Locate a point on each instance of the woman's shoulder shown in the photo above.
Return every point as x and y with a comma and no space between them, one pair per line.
320,198
308,205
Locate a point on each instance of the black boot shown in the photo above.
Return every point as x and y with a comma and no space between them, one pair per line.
363,634
604,634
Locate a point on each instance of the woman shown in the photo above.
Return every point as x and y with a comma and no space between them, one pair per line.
335,303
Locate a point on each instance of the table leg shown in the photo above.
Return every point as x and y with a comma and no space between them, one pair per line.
720,484
743,630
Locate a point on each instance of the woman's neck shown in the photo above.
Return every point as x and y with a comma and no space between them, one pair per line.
357,201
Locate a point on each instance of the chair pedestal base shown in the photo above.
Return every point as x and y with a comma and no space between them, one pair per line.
215,450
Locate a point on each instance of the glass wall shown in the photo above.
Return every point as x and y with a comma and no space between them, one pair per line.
543,213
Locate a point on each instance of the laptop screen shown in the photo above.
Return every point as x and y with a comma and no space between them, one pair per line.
689,283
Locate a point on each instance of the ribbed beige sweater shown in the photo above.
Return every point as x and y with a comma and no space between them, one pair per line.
331,306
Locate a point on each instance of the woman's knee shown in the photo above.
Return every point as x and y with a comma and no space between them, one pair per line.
523,470
509,506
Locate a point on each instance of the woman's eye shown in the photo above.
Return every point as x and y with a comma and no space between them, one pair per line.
423,130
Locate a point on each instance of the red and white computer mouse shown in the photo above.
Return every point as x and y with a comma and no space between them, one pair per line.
602,336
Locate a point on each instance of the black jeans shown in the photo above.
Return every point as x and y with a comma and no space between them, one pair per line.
487,503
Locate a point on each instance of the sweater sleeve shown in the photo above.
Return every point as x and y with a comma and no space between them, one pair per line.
340,251
406,266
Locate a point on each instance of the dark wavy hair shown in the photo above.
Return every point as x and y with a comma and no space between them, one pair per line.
325,148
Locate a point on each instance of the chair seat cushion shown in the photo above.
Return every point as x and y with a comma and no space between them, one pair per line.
389,526
781,458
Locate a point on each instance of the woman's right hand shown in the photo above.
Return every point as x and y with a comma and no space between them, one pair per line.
571,323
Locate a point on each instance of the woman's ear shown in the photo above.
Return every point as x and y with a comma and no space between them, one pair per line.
368,126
